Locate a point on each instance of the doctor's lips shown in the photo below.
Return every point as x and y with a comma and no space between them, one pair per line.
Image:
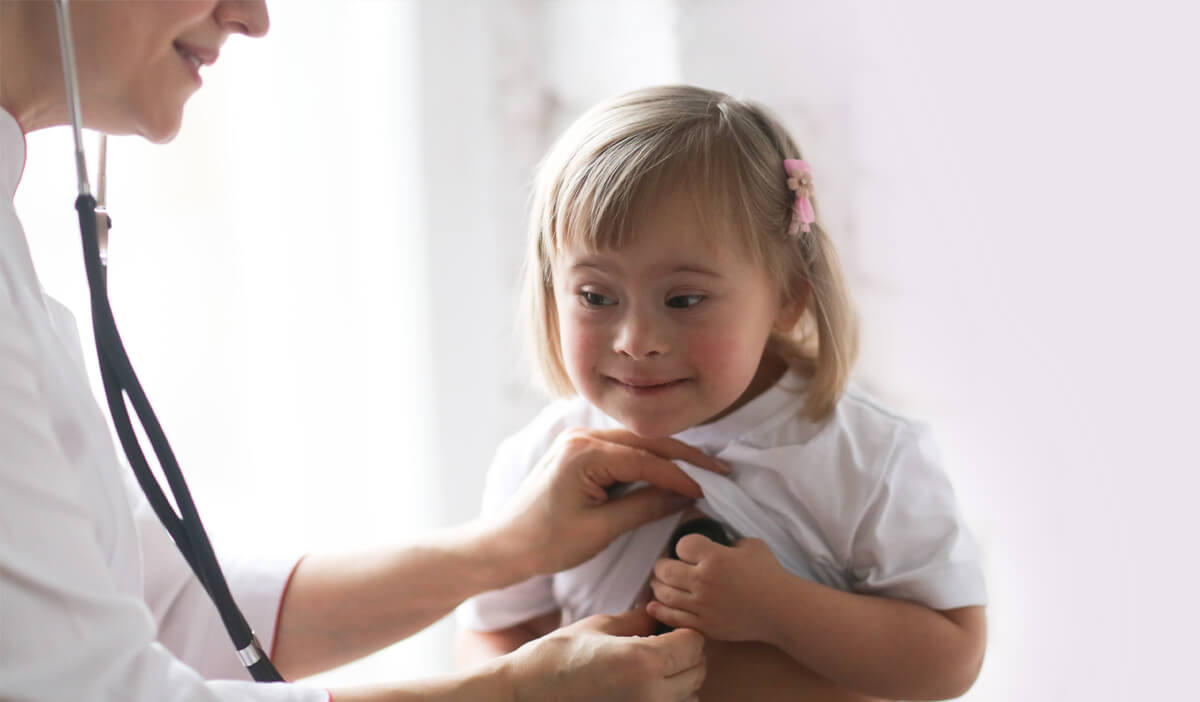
195,55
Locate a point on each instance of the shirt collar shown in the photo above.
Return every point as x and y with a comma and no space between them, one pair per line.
712,438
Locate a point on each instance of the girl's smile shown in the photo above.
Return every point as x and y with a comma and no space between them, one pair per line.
643,387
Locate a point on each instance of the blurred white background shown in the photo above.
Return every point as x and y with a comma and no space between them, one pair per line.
315,280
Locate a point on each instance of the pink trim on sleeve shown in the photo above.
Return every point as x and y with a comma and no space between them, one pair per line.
287,583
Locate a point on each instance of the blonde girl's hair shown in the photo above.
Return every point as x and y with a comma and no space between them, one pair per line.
727,156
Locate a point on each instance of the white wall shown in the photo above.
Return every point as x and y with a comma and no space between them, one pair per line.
1042,243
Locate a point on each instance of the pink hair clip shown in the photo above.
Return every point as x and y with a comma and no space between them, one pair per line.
800,181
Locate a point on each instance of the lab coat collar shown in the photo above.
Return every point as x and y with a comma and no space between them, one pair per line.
12,154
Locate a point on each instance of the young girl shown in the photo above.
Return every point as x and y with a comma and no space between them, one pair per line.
678,283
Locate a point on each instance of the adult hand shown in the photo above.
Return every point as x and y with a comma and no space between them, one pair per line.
609,658
564,514
599,659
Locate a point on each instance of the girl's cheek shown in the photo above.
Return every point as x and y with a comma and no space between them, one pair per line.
711,351
582,345
727,354
716,342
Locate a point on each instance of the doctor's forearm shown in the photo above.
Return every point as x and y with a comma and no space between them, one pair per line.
338,608
489,682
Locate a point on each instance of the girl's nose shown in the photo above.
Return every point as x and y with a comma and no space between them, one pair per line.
640,338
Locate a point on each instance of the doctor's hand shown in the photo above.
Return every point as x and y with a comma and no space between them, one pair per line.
563,514
608,658
598,659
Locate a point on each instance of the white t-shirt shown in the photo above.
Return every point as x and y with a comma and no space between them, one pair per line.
95,602
857,501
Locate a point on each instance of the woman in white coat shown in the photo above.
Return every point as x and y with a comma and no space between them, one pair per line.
96,604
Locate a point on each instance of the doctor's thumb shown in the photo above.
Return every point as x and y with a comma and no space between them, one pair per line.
635,622
643,505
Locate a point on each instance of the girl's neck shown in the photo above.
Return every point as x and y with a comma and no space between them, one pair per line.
770,369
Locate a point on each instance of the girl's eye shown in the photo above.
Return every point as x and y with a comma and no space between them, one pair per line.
595,299
683,302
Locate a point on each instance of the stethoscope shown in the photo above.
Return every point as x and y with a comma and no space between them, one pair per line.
121,384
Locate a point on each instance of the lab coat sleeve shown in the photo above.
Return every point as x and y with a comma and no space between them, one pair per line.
187,621
67,632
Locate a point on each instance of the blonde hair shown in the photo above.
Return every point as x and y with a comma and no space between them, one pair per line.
727,154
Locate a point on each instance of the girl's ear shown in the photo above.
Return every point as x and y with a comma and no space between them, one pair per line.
792,307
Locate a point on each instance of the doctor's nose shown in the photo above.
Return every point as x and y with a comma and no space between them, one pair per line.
640,338
247,17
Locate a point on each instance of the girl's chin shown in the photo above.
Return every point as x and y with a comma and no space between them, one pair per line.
652,429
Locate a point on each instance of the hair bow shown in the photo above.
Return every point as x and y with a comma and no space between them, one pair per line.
800,181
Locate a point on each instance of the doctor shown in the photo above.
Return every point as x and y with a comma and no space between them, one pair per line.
96,604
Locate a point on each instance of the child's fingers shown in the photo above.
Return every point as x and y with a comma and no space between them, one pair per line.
676,618
671,596
673,572
693,548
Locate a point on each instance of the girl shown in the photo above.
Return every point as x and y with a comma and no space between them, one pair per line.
678,283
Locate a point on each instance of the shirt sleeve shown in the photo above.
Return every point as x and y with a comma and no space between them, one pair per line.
66,630
912,542
500,609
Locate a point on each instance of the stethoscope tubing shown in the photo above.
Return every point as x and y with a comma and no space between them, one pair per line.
121,383
185,527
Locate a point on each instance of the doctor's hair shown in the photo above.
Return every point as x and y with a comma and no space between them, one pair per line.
726,155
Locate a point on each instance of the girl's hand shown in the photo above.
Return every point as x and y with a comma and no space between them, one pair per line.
721,591
605,658
563,515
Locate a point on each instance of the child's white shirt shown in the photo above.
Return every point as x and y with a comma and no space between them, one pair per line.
858,501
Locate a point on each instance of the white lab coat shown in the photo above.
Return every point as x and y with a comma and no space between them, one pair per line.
95,603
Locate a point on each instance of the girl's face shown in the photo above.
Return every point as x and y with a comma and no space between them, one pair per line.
138,59
668,331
